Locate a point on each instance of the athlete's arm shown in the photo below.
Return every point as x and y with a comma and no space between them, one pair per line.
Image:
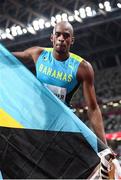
86,76
30,53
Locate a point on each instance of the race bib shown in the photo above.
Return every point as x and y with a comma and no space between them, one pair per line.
58,91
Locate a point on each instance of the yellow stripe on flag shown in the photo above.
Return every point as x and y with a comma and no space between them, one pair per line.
7,121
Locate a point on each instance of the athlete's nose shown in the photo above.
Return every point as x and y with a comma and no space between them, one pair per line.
61,37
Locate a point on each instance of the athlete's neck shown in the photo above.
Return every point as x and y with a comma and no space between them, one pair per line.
60,56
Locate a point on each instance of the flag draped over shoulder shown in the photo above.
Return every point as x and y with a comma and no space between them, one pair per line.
39,136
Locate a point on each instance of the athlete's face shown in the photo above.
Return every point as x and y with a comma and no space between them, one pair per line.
62,38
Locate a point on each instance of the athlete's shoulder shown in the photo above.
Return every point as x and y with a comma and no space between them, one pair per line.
76,57
35,52
85,70
48,49
39,50
86,64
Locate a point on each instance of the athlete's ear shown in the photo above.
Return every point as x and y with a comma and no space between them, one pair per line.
51,37
72,41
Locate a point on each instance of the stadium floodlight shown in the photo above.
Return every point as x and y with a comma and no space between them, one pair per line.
106,3
41,23
77,18
81,110
47,24
58,18
104,106
115,104
24,30
53,18
35,24
31,29
13,31
101,6
19,30
78,15
3,36
107,6
86,107
71,18
76,12
88,11
53,21
110,103
8,30
9,36
82,13
119,5
64,17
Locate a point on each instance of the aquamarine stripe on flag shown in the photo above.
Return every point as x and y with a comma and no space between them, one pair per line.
1,178
24,98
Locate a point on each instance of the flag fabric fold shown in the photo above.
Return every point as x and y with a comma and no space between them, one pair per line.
40,137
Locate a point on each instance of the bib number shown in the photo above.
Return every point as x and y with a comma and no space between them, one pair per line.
58,91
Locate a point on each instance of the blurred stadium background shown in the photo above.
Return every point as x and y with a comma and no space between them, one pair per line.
97,25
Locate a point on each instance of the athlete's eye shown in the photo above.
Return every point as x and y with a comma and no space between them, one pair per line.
57,34
66,35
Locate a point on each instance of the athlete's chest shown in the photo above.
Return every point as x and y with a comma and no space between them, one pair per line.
59,77
50,69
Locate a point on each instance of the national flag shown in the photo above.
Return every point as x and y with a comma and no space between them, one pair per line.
39,136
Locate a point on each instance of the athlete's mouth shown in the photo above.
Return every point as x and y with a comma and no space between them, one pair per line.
60,45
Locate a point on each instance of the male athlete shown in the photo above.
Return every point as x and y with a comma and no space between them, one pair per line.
63,72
